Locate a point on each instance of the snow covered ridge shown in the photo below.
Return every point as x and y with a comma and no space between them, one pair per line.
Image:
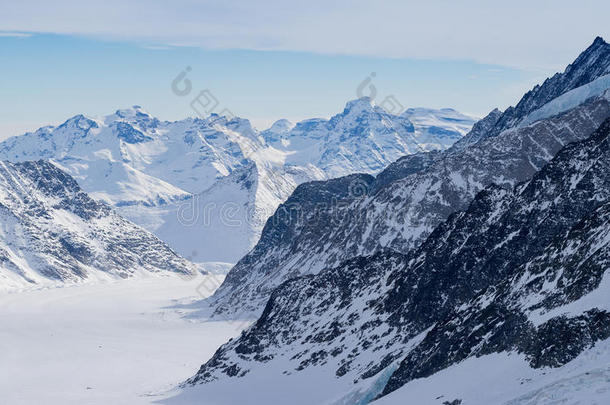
177,179
521,271
590,65
52,233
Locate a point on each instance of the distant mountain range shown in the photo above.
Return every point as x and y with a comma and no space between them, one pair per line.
207,186
490,259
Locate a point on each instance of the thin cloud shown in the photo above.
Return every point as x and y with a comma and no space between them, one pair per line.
158,47
15,34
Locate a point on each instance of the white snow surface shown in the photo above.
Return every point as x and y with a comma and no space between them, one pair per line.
126,342
507,379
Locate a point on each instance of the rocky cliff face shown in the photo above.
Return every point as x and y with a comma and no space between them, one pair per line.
524,259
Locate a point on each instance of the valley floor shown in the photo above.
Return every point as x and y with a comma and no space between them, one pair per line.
131,342
125,342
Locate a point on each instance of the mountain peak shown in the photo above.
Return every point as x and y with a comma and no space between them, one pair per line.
592,64
359,105
599,41
222,119
281,126
134,112
593,61
79,122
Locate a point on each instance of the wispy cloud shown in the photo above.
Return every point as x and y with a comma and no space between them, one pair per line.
15,34
157,47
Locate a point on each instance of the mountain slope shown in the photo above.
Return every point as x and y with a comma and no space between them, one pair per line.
53,233
525,258
400,214
227,218
522,271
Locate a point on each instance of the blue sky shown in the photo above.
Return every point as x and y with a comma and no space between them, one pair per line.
271,60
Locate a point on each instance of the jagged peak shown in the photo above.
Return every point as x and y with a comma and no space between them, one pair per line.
494,113
591,54
79,121
591,64
489,120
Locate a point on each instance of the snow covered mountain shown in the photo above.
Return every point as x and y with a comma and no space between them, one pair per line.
223,222
52,233
518,281
407,201
207,186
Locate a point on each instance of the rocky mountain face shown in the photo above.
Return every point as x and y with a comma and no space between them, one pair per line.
153,172
52,232
522,270
400,209
523,255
